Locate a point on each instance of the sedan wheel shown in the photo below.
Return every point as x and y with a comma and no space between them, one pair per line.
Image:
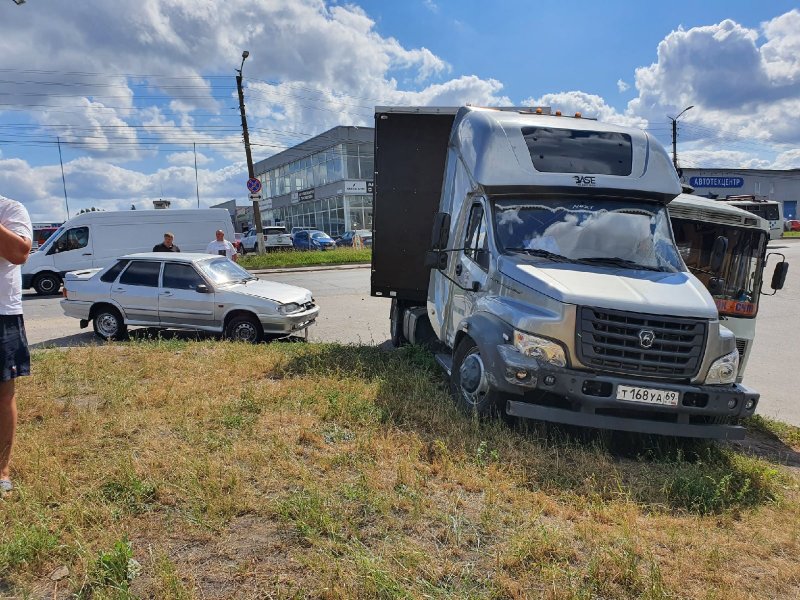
243,329
108,324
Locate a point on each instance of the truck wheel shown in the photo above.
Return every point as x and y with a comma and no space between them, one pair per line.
243,329
47,284
108,324
396,324
469,382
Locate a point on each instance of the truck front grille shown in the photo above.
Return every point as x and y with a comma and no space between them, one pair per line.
639,344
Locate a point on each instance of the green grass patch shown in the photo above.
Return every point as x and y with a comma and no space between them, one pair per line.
791,234
300,258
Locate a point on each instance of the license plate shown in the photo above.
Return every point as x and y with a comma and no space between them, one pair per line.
647,395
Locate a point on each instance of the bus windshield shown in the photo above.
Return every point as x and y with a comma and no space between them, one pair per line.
741,268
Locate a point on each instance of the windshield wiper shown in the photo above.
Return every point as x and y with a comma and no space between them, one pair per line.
616,262
541,253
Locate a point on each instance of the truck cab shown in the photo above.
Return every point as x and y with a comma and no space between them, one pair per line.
549,280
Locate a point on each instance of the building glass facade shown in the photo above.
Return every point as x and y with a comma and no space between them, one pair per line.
324,183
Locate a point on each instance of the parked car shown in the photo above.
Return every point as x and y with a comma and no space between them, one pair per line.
348,237
792,225
185,291
275,238
296,229
313,240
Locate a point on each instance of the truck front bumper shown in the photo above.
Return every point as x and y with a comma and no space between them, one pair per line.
588,399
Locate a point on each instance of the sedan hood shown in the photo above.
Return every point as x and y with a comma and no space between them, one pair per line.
674,294
271,290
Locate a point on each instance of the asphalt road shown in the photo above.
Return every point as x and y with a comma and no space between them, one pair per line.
348,314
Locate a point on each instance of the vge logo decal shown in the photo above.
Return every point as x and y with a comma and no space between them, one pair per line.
585,180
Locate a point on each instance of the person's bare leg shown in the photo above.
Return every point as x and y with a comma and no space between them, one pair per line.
8,426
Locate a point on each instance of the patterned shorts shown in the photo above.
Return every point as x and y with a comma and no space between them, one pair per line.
15,360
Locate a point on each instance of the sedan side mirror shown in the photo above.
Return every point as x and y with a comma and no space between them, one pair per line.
202,288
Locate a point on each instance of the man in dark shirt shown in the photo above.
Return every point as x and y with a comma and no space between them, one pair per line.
166,245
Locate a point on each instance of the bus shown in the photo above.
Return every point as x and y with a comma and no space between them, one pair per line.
769,210
696,224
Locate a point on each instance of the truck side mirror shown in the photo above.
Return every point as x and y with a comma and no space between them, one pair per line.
440,232
718,253
779,275
434,259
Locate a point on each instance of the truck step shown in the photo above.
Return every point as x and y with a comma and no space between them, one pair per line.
445,361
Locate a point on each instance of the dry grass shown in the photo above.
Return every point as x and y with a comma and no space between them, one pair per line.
194,470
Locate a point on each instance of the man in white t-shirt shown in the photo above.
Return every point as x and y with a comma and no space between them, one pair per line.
222,247
16,234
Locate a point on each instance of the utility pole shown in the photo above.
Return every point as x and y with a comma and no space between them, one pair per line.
196,181
675,136
250,171
63,179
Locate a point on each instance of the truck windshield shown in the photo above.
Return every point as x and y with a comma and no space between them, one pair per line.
741,269
620,233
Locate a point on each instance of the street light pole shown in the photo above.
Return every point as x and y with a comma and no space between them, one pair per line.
675,136
250,170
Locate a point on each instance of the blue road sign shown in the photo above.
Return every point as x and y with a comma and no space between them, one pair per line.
254,185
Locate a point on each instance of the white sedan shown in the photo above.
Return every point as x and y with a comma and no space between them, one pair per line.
185,291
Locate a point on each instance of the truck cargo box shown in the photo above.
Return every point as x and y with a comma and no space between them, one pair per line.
410,152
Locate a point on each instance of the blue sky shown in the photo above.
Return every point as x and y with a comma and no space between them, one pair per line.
129,87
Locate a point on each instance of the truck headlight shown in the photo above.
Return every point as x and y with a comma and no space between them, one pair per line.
286,309
540,349
724,370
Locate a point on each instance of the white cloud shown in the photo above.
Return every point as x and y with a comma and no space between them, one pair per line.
187,159
622,86
431,6
738,88
589,105
721,159
788,160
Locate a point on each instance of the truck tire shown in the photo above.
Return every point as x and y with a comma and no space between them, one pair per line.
108,323
47,284
469,382
396,324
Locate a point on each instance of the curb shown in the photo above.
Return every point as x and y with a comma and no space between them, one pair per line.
310,269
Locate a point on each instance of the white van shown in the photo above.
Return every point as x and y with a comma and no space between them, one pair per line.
96,239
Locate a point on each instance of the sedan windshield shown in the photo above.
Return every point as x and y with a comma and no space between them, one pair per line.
619,233
320,235
221,271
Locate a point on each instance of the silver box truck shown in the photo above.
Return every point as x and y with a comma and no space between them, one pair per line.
535,252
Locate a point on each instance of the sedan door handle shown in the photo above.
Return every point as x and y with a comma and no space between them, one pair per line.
87,253
166,293
120,290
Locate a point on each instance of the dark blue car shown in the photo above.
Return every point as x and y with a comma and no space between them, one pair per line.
313,240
